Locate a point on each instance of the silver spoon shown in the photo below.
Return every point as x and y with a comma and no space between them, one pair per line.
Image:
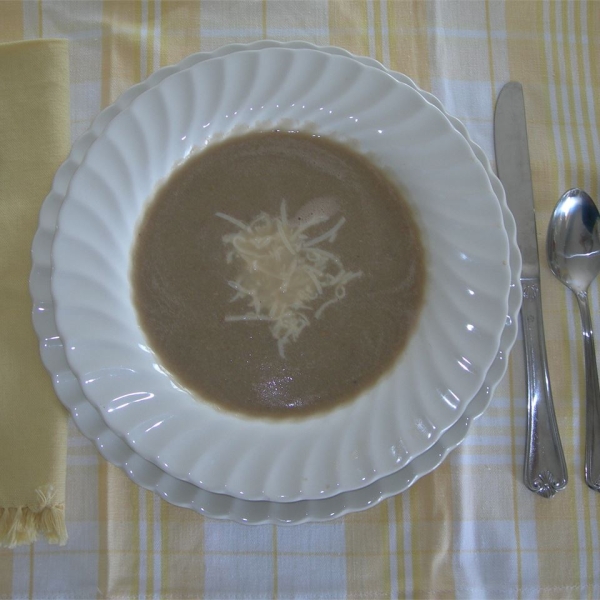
573,247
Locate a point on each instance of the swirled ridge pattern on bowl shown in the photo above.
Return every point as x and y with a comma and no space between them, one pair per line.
446,362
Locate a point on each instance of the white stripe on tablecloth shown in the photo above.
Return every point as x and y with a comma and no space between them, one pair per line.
590,94
579,124
468,34
385,39
31,21
371,28
21,575
563,91
553,93
143,545
407,538
393,547
144,41
75,460
157,548
157,15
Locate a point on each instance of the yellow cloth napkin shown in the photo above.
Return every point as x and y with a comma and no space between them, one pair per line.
34,140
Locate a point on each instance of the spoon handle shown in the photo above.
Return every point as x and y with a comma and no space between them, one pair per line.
545,469
592,397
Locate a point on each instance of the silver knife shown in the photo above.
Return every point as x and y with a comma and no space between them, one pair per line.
545,471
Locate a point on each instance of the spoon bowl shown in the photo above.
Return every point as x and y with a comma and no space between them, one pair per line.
573,248
573,242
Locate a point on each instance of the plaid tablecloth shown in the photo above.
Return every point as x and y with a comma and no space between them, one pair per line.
470,529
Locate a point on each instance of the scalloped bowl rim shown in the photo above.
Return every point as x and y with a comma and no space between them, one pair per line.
72,358
149,476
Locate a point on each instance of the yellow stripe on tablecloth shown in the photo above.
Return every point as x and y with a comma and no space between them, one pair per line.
517,472
591,18
408,40
103,547
367,553
6,573
587,98
348,26
404,544
164,553
528,63
558,518
375,24
152,572
11,23
557,50
122,533
179,31
146,549
156,35
571,121
183,555
144,37
149,41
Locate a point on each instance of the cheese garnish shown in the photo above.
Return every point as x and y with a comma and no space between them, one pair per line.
283,273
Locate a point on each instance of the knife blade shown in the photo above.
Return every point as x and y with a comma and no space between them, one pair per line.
545,470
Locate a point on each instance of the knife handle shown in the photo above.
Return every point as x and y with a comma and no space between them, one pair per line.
545,469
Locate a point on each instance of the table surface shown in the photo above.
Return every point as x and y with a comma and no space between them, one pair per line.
468,530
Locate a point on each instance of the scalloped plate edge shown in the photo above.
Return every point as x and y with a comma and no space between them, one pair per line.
222,506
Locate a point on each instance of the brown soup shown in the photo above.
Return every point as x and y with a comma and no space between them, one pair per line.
278,274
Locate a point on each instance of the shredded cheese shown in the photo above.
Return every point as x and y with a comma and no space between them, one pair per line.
282,272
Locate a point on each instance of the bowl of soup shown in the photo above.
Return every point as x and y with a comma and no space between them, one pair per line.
280,274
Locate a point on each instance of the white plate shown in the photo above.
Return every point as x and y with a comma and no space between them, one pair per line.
447,357
183,494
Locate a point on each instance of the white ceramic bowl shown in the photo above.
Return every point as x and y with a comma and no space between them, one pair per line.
383,430
184,494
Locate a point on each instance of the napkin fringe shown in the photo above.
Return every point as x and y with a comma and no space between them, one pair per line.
22,524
